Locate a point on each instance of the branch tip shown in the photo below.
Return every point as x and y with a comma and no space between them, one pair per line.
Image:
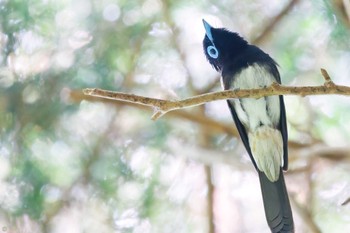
325,75
328,81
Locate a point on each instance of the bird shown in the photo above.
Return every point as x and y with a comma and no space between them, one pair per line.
261,122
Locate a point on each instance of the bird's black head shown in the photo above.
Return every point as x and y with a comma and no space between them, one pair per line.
221,45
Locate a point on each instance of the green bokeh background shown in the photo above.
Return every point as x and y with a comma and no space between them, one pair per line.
70,163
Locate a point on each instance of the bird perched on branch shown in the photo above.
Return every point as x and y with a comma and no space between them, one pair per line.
261,122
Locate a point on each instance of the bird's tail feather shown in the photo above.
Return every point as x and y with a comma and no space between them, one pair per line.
276,203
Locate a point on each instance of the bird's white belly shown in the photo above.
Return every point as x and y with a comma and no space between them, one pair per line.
255,112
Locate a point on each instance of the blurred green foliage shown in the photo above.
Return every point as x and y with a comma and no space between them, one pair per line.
87,165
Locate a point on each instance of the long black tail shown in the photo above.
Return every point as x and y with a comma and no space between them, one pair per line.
276,203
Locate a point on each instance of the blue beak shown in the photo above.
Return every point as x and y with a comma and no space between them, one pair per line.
208,28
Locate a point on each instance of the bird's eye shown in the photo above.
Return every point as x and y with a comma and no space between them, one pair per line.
213,52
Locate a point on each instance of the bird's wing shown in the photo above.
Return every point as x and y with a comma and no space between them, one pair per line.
283,122
284,132
242,131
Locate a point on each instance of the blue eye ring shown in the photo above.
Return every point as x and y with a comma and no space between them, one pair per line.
212,54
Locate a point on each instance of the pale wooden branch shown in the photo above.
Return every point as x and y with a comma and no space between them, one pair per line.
163,106
213,126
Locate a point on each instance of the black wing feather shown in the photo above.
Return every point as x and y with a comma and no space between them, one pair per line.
272,67
284,132
241,130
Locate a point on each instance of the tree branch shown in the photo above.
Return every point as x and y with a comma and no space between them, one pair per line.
305,215
163,106
274,22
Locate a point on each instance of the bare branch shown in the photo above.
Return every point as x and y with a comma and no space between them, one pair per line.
347,201
210,124
163,106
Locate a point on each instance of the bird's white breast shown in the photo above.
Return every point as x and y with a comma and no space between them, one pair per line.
255,112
